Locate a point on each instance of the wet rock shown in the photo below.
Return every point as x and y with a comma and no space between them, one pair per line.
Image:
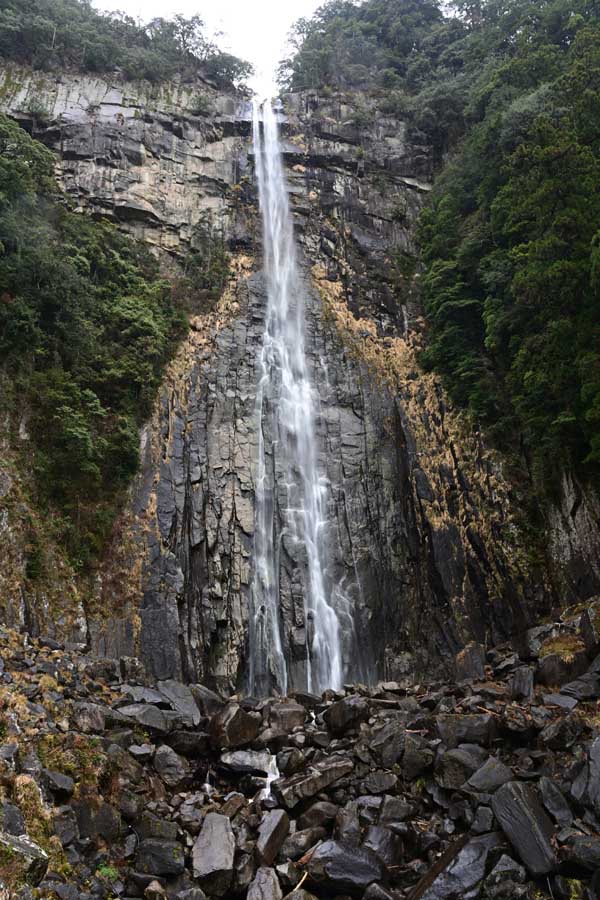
61,786
317,815
385,843
290,761
465,729
299,842
346,714
265,886
181,699
417,757
171,767
554,802
388,743
590,626
191,744
470,663
147,716
244,872
213,855
272,833
454,767
527,826
89,718
492,775
521,685
561,734
11,819
207,701
290,791
233,727
247,762
336,866
27,861
65,825
284,717
461,869
160,857
582,851
506,870
380,782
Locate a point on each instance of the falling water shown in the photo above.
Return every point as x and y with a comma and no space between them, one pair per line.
286,398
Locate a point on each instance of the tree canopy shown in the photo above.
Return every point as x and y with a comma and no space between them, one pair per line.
62,34
507,94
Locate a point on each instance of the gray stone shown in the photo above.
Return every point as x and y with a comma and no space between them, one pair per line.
470,663
338,867
527,826
28,862
465,870
213,855
160,857
147,716
265,886
465,729
346,714
272,832
290,791
492,775
233,727
181,699
172,768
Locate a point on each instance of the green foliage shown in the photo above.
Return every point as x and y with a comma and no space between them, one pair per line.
207,264
56,34
86,326
507,94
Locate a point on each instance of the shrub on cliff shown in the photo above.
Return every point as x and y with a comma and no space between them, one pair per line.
86,326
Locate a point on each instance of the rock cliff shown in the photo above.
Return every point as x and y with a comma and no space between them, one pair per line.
427,527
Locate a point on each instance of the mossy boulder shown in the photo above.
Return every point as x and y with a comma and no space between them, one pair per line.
21,861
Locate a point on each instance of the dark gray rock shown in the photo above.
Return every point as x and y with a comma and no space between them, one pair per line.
265,886
465,729
461,877
492,775
233,727
11,819
290,791
172,768
154,827
208,702
160,857
454,767
590,626
417,758
380,782
61,786
388,743
298,843
346,714
527,826
27,861
272,832
181,699
583,852
470,663
521,685
338,867
386,844
317,815
554,802
213,855
147,716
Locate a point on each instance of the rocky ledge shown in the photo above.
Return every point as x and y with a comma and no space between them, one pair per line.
487,787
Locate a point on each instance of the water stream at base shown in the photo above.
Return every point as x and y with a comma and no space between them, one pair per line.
286,398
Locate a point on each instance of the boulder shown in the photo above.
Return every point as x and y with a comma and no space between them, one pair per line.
147,716
582,851
461,869
521,684
491,776
272,832
320,813
159,857
346,714
290,791
25,860
388,743
181,699
454,767
60,786
171,767
455,729
286,716
233,727
265,886
470,663
338,867
299,842
213,855
527,826
590,626
554,802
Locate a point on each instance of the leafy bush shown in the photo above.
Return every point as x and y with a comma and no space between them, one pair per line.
86,326
58,34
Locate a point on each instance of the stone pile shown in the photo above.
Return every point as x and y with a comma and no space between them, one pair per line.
487,786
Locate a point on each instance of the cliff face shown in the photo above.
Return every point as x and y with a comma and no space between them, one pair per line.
425,529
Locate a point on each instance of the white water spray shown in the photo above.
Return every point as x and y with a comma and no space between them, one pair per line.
286,413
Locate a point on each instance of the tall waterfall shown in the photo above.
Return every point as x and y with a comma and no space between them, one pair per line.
287,459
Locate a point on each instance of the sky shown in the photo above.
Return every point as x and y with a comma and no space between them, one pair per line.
256,30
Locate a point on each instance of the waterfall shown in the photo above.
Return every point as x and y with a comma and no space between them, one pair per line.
290,491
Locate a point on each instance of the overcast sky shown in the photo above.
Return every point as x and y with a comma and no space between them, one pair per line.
253,29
